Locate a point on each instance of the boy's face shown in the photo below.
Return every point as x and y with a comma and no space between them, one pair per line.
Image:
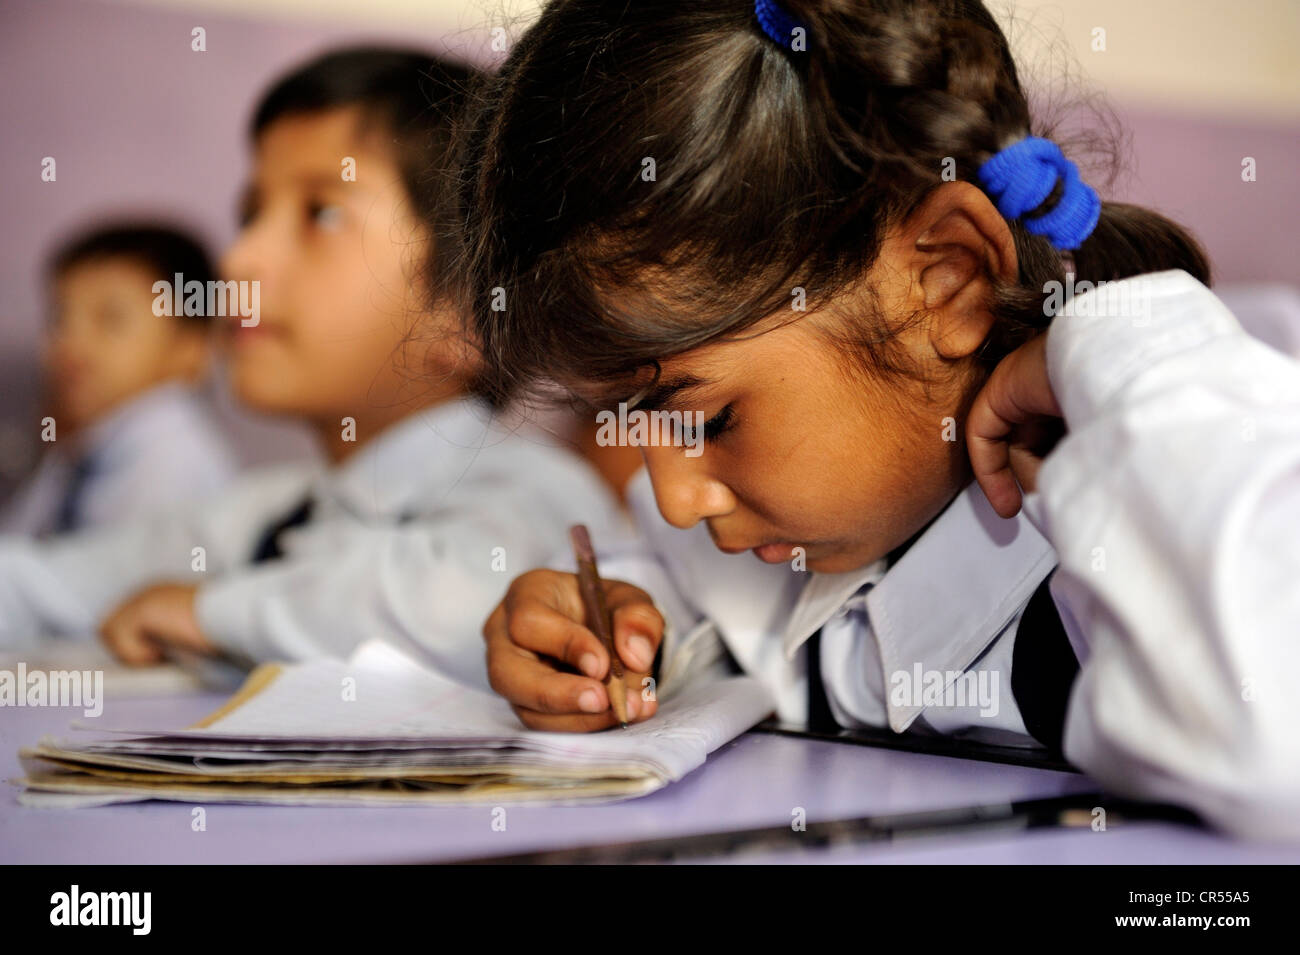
334,259
105,345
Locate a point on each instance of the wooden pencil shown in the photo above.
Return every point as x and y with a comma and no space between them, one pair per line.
598,616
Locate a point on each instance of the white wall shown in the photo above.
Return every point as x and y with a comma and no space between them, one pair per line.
1232,57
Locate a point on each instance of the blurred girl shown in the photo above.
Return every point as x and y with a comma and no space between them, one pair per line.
430,495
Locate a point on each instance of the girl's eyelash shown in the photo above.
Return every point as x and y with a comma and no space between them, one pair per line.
709,431
719,424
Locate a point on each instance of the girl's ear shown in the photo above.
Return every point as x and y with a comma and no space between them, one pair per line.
951,245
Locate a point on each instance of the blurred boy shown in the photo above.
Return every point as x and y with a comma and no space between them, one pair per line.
130,436
431,499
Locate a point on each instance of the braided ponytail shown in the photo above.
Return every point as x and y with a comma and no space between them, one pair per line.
914,83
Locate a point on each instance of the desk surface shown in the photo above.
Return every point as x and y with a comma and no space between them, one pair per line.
757,780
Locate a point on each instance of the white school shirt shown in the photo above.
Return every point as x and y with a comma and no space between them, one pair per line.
957,589
414,539
1181,472
157,450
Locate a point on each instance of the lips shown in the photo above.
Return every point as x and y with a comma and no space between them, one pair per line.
777,553
731,550
772,552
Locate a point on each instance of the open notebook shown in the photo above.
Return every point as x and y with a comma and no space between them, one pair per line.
379,729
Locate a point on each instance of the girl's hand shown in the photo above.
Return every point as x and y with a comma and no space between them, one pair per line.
1013,423
143,625
536,640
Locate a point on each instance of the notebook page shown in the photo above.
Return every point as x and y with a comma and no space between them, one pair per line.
396,698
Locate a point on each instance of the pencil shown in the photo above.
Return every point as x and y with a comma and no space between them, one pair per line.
598,618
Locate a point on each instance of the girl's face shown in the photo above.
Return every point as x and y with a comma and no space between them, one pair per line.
802,449
334,257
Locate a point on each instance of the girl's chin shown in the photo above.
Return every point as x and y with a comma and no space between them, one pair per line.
820,558
258,395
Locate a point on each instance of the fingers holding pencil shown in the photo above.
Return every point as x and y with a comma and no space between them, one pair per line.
537,637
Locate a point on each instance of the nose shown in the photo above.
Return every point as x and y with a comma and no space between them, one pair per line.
260,250
240,261
685,491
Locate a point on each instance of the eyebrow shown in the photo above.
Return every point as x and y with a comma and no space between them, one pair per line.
657,396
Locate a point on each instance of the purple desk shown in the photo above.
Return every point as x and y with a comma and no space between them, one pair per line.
755,781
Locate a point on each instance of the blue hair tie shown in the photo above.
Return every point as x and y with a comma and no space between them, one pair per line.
776,22
1022,176
1019,177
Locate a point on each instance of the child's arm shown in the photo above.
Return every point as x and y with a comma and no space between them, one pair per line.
1174,504
426,584
66,586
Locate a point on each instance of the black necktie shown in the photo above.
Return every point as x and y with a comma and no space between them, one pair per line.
268,545
69,516
1043,668
820,718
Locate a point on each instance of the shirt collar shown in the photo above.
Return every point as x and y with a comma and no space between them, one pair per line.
946,599
822,596
148,413
391,475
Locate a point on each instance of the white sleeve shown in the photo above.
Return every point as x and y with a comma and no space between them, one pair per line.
159,479
64,586
1174,504
427,585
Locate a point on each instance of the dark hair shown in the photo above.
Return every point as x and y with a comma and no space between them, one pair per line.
163,250
774,168
415,98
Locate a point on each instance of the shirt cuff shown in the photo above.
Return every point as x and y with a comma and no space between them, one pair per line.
224,610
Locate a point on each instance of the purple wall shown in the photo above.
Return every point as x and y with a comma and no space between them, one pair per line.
1189,168
137,122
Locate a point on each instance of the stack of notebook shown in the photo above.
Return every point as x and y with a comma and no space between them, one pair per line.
380,730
